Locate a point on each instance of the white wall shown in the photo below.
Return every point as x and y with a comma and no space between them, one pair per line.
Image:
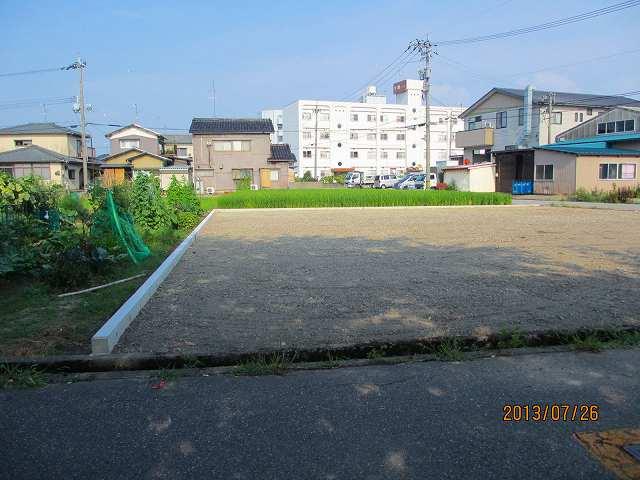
276,117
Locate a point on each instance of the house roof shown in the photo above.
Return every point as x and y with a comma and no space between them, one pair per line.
140,153
470,166
281,152
39,128
604,138
35,154
591,150
134,125
230,125
177,139
561,98
597,118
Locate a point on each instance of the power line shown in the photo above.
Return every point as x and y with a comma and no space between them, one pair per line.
31,72
543,26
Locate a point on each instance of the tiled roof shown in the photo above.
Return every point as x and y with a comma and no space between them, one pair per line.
170,138
580,99
282,151
34,154
133,125
230,125
34,128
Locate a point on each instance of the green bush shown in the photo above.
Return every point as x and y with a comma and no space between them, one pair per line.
184,201
149,209
616,195
356,198
28,193
243,183
332,179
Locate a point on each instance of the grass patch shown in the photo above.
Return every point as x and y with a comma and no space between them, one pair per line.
450,350
352,198
35,322
590,343
276,364
17,377
511,339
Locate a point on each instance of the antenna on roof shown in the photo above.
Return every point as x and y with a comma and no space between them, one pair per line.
212,97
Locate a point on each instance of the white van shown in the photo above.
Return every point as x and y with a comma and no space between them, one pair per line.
384,181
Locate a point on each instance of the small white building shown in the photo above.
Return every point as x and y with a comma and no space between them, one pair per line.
370,135
475,177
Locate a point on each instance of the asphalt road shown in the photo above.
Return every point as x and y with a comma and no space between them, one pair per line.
410,421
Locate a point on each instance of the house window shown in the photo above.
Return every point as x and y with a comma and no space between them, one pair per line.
353,154
22,143
520,117
556,118
501,120
611,127
617,171
371,136
400,136
323,116
602,128
400,118
384,136
384,154
280,138
130,143
476,122
182,151
354,117
232,146
578,117
39,171
353,135
629,125
274,175
306,115
306,154
544,172
6,171
71,174
306,135
589,111
371,118
620,126
401,155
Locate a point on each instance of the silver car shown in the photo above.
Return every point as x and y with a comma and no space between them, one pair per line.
384,181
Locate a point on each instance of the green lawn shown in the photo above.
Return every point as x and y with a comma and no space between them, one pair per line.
351,198
34,321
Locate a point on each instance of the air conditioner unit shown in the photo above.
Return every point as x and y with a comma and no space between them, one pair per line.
254,186
210,190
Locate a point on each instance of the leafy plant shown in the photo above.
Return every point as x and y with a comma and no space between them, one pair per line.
149,208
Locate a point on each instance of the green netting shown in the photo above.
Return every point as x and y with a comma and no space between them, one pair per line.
123,227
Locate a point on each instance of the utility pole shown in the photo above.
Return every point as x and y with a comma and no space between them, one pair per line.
315,153
425,47
449,136
212,97
551,99
80,65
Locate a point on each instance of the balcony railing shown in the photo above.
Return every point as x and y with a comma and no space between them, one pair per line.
477,138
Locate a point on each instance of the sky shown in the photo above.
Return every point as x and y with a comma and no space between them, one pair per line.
163,56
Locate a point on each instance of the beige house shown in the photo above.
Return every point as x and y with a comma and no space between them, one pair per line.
123,165
230,152
178,146
47,150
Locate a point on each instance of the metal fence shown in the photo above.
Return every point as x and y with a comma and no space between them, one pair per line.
12,214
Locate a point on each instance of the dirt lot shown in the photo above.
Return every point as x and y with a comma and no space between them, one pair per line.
259,280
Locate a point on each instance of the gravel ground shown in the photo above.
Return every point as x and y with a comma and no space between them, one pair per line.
259,280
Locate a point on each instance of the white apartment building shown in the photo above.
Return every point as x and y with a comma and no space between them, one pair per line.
276,118
371,135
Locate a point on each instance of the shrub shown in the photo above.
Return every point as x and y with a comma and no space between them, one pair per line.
307,177
150,210
243,183
28,193
184,201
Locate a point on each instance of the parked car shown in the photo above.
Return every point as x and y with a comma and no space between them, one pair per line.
358,179
418,183
399,184
384,181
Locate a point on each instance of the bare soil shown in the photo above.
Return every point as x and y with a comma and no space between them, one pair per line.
271,279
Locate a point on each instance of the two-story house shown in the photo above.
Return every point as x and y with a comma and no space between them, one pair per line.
47,150
178,146
229,152
505,125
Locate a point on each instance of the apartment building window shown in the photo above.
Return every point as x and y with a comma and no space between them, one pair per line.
354,117
384,136
556,118
544,172
307,135
353,154
232,146
371,136
323,116
382,118
130,143
306,154
306,115
617,171
324,135
400,136
442,137
475,122
401,155
353,135
371,154
22,143
616,127
384,155
400,118
325,155
520,117
578,117
501,120
371,118
280,138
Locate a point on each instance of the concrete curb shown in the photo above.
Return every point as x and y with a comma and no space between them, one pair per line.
107,337
407,207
